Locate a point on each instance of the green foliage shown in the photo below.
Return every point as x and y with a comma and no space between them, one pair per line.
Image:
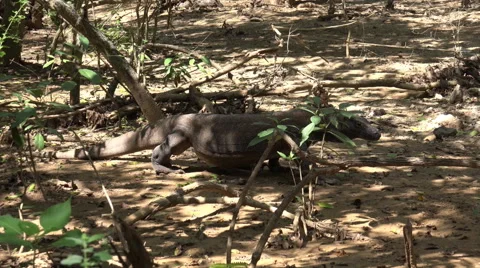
92,76
26,119
324,205
175,69
53,219
12,29
323,117
268,133
289,157
76,238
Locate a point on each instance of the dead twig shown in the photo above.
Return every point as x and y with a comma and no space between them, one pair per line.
257,252
244,193
410,261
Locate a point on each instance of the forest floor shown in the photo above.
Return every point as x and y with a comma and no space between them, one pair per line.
443,203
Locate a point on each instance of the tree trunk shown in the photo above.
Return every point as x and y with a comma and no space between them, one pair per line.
390,5
331,7
466,3
75,56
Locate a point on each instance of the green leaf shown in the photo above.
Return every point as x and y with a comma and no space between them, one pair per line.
95,237
18,139
72,260
83,41
256,141
282,155
68,86
206,61
306,131
13,196
102,256
35,92
71,238
167,61
343,106
39,141
31,187
282,128
56,216
27,128
342,137
68,242
200,67
29,228
55,132
324,205
316,119
191,62
87,250
11,224
473,133
23,115
328,110
92,76
266,133
14,240
307,110
334,121
392,155
5,114
48,63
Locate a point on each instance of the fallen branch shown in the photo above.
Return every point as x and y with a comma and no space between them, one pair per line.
162,97
388,83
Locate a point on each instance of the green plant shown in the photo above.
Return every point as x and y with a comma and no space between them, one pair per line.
14,21
27,118
60,58
86,243
27,234
323,117
176,70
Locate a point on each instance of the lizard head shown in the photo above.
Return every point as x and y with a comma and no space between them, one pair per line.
358,127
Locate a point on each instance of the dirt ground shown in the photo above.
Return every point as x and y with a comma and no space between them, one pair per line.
441,202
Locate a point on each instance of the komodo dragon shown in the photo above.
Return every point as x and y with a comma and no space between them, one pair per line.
219,140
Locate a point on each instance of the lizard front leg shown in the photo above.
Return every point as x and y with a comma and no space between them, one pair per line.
175,143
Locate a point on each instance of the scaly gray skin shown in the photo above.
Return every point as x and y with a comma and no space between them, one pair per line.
219,140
